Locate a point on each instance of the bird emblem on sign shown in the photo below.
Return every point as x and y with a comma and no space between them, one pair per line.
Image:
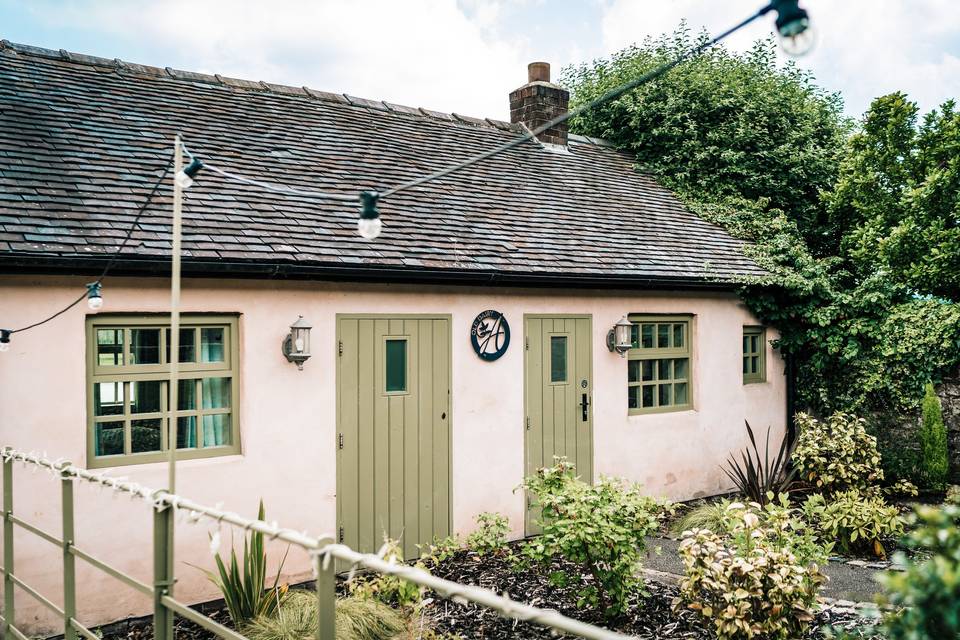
490,335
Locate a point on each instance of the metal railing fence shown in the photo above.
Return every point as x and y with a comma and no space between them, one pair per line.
322,550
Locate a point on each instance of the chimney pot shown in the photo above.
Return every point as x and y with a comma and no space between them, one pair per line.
538,72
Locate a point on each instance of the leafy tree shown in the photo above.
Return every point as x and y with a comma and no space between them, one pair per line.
897,201
723,127
759,149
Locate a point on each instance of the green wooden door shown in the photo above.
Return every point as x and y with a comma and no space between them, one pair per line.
393,436
558,389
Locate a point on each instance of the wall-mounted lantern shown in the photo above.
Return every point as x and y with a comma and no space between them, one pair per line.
619,338
296,346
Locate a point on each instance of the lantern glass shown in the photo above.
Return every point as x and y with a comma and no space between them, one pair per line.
296,346
622,331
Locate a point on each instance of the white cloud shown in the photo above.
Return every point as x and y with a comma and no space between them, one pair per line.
866,49
430,53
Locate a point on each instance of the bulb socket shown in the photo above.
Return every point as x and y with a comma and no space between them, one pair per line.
368,208
5,336
193,168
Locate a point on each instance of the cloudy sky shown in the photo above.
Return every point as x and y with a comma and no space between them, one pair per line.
466,55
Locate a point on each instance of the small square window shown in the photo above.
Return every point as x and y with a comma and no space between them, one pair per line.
396,366
753,361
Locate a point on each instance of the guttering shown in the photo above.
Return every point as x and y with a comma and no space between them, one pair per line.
27,264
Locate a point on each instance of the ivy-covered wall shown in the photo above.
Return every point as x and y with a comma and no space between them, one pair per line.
949,393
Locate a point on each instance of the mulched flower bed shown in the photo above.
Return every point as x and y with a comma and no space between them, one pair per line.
142,628
650,617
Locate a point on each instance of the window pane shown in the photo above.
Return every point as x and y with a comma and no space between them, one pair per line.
746,364
187,432
145,396
633,397
108,399
186,395
665,396
648,369
663,336
646,336
108,439
396,365
746,344
680,368
145,346
211,344
216,430
664,370
680,393
678,335
188,349
634,336
755,364
145,435
216,393
558,359
109,347
633,370
755,344
648,395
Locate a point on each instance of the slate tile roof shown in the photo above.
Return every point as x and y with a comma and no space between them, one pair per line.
82,139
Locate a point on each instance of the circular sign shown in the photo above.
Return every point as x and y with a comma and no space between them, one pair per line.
490,335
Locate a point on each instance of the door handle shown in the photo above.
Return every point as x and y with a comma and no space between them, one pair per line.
584,404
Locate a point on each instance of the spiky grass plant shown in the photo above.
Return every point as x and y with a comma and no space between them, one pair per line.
356,619
243,582
758,478
710,515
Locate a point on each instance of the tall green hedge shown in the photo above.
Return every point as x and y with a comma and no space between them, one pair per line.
934,460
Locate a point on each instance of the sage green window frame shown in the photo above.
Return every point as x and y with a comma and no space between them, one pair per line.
678,348
126,375
754,362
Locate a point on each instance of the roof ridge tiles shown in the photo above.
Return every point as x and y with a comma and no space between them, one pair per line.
116,64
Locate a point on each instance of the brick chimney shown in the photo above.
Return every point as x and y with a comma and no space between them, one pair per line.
539,101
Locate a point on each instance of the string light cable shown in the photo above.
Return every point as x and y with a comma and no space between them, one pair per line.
793,26
93,291
797,38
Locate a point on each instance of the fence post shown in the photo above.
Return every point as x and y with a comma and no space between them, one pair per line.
326,597
69,565
162,571
8,607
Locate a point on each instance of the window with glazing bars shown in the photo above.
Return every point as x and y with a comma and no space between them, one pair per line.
658,365
754,366
128,388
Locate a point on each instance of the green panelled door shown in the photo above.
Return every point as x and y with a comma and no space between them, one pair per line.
393,436
558,389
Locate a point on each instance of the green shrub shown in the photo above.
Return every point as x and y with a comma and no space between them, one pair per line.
836,454
929,590
953,495
356,619
389,589
490,535
902,488
757,579
243,583
854,521
934,459
599,527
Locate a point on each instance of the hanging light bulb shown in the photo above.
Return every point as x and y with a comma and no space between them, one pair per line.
5,339
94,297
369,225
797,36
186,175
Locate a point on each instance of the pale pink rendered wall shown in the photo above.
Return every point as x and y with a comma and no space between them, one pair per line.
288,417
